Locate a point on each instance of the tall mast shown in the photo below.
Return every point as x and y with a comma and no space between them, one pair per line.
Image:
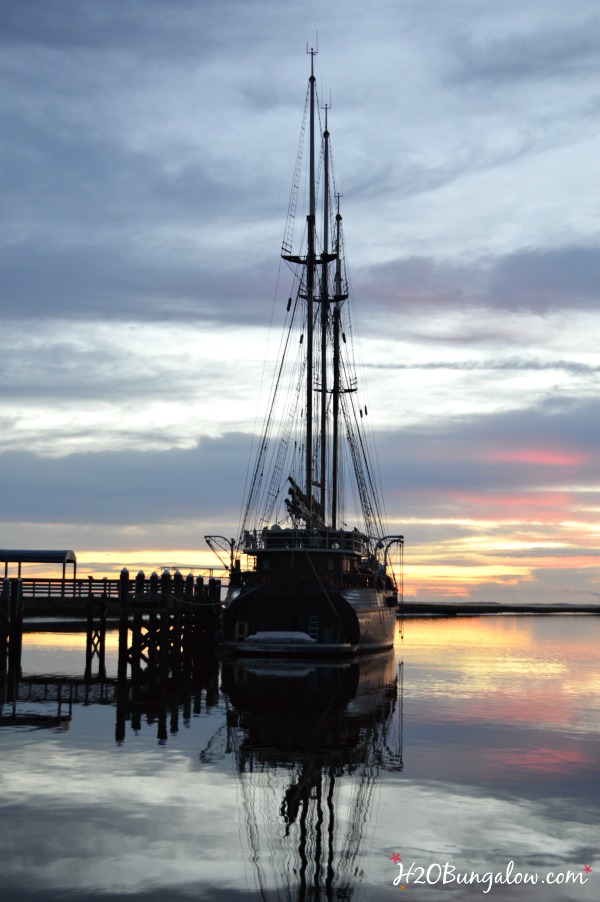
324,319
338,297
310,289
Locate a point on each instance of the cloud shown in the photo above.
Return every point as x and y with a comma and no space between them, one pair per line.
534,280
542,279
528,51
128,487
537,459
512,364
480,465
110,283
108,25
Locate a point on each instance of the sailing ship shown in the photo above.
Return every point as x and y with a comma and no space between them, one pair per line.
313,583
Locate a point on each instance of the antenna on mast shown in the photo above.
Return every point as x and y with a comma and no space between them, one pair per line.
313,52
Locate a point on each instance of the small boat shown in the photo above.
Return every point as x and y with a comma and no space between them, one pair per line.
319,579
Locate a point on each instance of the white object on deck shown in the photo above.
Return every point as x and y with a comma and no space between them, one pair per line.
279,636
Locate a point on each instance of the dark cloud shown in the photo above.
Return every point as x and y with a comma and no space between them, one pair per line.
124,153
536,280
75,187
545,279
540,51
407,285
112,282
120,165
163,487
105,24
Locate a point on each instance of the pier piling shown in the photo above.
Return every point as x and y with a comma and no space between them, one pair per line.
96,636
4,633
15,642
166,623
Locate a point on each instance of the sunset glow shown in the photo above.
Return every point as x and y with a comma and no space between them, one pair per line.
144,295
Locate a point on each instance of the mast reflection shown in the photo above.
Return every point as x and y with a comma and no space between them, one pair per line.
309,742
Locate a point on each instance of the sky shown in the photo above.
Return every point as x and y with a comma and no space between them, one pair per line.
146,165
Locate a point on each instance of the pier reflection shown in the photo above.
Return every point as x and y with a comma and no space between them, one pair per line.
309,742
45,700
163,696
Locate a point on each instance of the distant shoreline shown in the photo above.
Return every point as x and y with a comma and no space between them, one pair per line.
453,608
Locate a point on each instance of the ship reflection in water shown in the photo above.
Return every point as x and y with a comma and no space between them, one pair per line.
309,741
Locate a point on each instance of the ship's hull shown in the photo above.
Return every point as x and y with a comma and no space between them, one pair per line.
308,621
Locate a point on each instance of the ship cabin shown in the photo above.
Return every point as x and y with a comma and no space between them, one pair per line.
341,559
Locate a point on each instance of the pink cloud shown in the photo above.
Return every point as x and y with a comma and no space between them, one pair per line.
539,456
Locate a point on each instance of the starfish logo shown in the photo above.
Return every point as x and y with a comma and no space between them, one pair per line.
396,857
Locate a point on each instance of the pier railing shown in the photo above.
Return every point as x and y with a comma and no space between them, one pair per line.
58,589
69,589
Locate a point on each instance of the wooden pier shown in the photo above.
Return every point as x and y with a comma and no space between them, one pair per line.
168,632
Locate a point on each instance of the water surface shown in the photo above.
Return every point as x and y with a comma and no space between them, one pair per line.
474,745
